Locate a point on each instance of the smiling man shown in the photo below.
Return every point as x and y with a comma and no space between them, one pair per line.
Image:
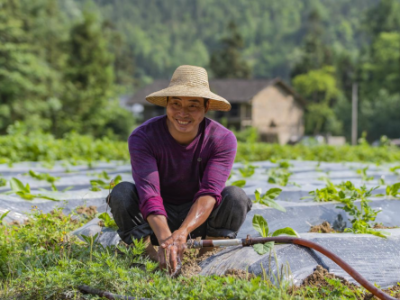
180,163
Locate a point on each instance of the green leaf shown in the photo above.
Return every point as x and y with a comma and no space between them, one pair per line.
257,194
16,185
261,225
263,248
24,195
47,197
239,183
272,204
108,221
285,231
272,193
4,215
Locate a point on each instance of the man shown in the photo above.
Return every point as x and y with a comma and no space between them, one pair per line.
180,163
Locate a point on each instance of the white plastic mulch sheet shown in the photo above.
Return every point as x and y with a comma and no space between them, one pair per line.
375,258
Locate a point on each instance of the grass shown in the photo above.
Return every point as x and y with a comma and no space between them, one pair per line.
39,260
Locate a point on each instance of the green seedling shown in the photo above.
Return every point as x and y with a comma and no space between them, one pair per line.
268,199
279,176
108,221
3,216
261,226
395,170
43,176
346,193
326,194
393,191
104,175
24,191
363,173
3,182
239,183
98,184
248,170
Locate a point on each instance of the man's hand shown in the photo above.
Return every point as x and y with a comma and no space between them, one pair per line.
171,251
173,245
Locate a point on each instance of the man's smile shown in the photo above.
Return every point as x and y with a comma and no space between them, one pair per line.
180,122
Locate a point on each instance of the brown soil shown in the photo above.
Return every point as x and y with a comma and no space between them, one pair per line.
88,211
15,222
317,279
381,226
191,261
393,291
325,227
239,274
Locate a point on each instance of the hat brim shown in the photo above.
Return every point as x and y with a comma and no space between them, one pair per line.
216,102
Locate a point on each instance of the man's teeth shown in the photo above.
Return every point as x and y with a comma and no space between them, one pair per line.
182,123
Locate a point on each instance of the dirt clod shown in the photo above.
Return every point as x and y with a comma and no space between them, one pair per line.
191,261
317,279
89,211
381,226
325,227
239,274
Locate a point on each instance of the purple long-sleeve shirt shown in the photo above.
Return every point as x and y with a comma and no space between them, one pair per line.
164,170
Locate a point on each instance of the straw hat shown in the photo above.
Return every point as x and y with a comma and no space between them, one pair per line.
189,81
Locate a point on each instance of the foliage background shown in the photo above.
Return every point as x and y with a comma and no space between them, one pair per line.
64,64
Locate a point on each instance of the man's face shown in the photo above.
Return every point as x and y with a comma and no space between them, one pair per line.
185,114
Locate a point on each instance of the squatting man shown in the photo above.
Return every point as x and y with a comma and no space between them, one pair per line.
180,163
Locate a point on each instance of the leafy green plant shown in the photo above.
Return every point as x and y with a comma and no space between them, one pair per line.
395,170
239,183
363,173
24,191
3,216
108,221
393,190
261,226
328,193
44,176
98,184
279,176
3,182
268,199
248,170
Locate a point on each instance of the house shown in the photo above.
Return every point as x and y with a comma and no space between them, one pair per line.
271,106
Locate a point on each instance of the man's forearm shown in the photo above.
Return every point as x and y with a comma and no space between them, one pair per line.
160,227
198,214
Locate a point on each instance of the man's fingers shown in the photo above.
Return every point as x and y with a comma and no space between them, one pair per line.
168,242
173,259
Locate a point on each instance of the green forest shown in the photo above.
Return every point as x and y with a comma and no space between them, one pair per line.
65,64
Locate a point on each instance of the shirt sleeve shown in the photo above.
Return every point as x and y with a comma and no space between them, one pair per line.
146,176
218,168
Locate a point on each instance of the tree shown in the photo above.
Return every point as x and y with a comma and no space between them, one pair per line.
24,74
227,62
314,53
88,77
320,88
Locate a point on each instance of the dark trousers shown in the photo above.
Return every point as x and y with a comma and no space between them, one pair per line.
224,221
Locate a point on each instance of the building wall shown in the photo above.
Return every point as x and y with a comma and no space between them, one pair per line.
277,115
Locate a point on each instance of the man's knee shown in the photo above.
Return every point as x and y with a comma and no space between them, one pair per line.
122,192
237,198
